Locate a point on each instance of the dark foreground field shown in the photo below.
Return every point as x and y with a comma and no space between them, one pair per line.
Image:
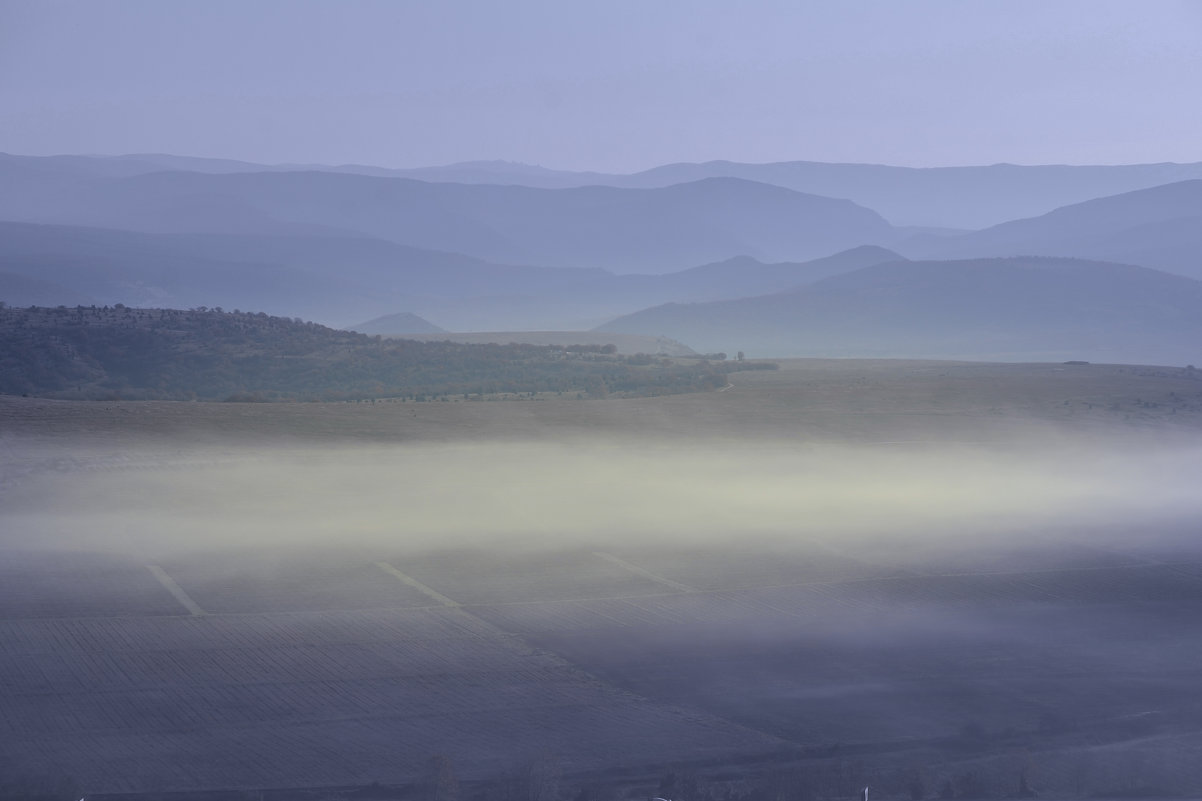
934,578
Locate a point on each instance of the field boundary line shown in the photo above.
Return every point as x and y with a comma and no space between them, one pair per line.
742,588
443,602
429,592
177,591
667,582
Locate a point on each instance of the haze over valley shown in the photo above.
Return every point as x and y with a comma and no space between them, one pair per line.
563,509
478,401
836,572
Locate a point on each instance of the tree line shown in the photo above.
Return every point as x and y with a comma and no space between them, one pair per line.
106,353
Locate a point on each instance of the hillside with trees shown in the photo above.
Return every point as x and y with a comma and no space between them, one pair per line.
90,352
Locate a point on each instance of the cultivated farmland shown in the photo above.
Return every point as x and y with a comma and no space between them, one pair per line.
321,698
860,571
620,669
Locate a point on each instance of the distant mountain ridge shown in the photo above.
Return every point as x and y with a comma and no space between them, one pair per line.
1016,309
353,243
967,197
316,277
653,230
25,290
398,323
1160,227
340,280
593,301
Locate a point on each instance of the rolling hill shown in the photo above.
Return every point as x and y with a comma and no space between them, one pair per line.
600,297
340,280
24,290
1160,227
942,197
399,323
625,230
91,352
1020,309
330,279
968,197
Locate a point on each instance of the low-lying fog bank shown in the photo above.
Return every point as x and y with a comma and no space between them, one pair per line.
513,495
953,612
954,571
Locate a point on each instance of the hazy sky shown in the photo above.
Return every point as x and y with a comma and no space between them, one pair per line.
613,85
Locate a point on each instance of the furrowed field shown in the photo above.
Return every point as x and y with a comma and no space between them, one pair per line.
134,692
237,596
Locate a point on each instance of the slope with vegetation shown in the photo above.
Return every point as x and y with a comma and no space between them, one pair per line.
109,352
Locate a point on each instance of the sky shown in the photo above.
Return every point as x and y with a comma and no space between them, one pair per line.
606,85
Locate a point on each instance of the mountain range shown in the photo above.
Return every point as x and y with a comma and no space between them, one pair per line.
598,298
337,279
324,278
1017,309
624,230
740,257
968,197
1159,227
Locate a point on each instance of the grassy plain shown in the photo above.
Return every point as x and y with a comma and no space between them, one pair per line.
807,400
842,572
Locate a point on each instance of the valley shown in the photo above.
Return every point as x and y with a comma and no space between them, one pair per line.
840,572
